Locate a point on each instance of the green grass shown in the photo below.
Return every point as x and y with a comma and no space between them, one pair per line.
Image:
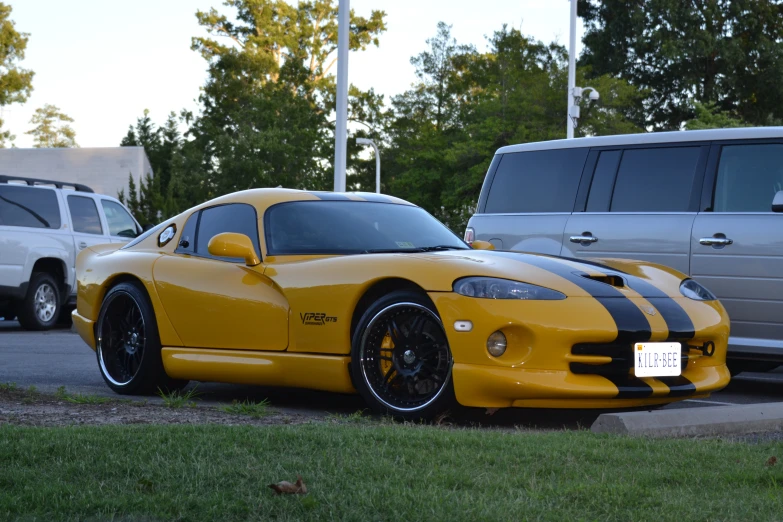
247,407
366,472
178,398
8,387
79,398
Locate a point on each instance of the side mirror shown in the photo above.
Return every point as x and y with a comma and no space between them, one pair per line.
482,245
230,244
777,202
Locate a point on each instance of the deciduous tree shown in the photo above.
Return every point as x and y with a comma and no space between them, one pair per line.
51,128
16,83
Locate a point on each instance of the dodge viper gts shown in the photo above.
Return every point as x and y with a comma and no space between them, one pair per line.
356,292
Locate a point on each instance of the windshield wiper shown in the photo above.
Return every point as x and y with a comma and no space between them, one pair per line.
412,250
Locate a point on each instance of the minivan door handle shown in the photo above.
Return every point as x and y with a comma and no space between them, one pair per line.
584,238
82,245
716,241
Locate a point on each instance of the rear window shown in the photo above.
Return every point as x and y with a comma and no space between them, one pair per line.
29,207
540,181
655,180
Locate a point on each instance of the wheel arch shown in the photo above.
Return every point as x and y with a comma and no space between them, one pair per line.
56,268
379,289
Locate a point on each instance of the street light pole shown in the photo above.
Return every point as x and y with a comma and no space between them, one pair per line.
365,141
571,73
341,124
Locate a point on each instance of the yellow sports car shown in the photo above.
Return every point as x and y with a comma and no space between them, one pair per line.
367,293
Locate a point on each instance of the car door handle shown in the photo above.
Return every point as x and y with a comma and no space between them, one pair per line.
583,239
716,241
82,245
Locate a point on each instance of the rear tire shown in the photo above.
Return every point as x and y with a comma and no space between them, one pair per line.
40,308
400,358
128,345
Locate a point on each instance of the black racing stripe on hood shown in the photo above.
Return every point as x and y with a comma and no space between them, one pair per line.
677,319
678,386
632,325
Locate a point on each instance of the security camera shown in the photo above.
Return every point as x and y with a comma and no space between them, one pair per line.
594,95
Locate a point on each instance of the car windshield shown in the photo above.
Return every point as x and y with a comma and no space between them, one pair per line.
354,227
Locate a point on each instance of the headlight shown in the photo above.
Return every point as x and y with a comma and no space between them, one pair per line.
693,290
494,288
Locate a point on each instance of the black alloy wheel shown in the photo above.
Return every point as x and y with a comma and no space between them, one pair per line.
128,345
401,361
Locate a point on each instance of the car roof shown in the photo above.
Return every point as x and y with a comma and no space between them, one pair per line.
744,133
266,197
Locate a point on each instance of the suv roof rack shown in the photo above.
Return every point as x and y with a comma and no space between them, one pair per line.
35,181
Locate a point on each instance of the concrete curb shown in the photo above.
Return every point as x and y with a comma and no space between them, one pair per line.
688,422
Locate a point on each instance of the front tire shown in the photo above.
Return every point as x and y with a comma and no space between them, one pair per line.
40,308
128,344
400,358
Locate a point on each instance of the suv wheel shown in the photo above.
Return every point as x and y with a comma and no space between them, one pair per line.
40,308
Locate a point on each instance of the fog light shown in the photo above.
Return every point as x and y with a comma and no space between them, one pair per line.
496,344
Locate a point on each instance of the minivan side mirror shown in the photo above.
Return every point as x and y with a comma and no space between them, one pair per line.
777,202
231,244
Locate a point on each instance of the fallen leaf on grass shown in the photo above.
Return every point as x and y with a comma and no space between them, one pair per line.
491,411
285,487
772,461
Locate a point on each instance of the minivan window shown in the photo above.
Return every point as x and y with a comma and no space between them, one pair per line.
749,176
603,181
655,180
120,223
236,217
29,207
540,181
84,215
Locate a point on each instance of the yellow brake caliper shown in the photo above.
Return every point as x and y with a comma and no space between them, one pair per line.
387,347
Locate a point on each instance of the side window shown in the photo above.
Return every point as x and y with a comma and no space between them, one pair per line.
749,176
84,215
603,181
235,217
539,181
28,207
655,180
187,240
120,222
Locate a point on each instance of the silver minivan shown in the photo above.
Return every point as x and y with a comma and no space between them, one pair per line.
708,203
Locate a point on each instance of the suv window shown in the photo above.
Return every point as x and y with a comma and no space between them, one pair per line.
749,176
655,180
120,222
84,215
540,181
236,217
29,207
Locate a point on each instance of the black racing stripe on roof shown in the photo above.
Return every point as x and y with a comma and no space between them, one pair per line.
679,386
375,198
331,196
632,325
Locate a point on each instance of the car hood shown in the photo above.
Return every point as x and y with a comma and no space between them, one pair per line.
604,278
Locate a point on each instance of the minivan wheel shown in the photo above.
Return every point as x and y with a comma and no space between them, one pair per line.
40,308
400,358
128,344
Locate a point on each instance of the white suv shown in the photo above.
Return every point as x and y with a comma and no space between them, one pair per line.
42,228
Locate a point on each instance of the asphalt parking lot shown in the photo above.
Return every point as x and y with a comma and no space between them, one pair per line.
48,360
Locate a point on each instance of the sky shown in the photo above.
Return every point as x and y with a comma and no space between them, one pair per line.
103,62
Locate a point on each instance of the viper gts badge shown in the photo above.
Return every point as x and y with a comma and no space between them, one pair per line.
316,318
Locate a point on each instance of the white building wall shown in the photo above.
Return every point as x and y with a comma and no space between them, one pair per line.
104,169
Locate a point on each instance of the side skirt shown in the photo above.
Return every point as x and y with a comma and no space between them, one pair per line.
295,370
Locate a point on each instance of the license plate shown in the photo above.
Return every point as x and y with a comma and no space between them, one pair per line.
657,359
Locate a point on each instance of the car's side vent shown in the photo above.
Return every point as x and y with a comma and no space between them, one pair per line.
608,279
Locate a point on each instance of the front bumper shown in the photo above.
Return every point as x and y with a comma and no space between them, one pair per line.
557,354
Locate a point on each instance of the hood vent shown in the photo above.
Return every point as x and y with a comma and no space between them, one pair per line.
607,279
